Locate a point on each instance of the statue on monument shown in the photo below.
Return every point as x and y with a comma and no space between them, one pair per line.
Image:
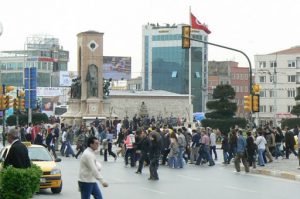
106,85
76,88
92,79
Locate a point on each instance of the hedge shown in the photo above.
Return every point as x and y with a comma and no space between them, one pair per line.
19,183
23,119
224,125
290,123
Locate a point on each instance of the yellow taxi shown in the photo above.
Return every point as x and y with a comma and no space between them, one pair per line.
40,156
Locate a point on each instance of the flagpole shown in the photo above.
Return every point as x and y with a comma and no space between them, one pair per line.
190,77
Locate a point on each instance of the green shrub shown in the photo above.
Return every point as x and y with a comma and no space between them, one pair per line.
290,123
224,125
23,119
19,183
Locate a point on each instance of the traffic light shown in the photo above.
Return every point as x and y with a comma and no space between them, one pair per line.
186,34
256,88
9,101
16,103
255,103
248,103
21,104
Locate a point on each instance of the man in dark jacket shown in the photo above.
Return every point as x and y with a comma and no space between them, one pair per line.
143,145
290,144
18,153
154,153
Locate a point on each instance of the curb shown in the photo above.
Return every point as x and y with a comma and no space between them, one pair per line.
276,173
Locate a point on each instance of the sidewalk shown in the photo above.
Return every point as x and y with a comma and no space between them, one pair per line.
282,168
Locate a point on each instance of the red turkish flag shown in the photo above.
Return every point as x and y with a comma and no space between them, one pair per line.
197,25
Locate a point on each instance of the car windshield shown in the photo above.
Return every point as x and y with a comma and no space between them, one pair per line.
39,154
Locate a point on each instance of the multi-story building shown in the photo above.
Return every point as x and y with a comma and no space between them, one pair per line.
42,52
166,64
278,74
228,72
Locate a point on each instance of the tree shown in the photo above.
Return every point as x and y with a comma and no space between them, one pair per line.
296,110
222,107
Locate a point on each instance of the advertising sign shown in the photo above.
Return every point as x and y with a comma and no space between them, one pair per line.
65,78
49,91
117,68
47,104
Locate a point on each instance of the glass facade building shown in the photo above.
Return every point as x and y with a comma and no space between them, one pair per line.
42,52
166,64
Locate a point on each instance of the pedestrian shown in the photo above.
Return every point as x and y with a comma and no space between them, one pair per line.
225,147
204,150
299,148
108,149
154,153
182,146
261,145
174,150
241,153
18,153
89,171
143,145
289,144
196,137
251,150
232,145
130,152
213,144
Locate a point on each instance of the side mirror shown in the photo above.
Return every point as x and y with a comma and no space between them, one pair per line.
57,160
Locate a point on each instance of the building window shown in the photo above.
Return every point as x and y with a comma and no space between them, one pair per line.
262,64
262,93
262,109
272,94
271,109
291,64
290,108
273,78
174,74
273,64
291,93
262,79
291,78
197,75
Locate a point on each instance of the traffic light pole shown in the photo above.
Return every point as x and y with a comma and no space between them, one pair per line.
236,50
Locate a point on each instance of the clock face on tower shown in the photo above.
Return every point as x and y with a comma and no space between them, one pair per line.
92,45
93,108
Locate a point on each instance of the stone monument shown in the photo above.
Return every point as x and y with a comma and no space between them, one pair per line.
87,89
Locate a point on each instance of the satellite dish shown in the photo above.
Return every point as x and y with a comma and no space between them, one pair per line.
1,29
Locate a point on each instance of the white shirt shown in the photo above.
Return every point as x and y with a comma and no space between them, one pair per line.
64,136
261,142
119,125
90,168
212,139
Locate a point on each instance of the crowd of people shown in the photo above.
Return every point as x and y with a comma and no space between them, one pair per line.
156,142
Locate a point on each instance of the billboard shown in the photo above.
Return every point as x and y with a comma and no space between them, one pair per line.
65,77
117,68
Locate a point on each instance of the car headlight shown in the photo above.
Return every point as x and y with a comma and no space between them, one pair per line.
55,171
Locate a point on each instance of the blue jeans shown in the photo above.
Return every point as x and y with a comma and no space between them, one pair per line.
89,188
69,149
277,151
172,162
180,157
261,161
225,156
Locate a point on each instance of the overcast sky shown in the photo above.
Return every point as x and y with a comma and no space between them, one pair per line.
253,26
